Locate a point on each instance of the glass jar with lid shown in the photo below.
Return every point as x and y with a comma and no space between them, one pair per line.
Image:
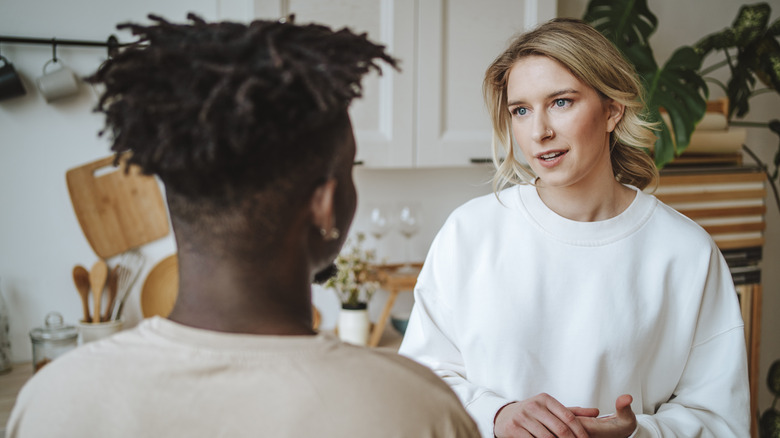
52,340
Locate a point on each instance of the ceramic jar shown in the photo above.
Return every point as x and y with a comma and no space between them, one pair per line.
354,325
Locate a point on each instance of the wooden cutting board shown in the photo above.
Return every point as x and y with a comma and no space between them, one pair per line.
117,211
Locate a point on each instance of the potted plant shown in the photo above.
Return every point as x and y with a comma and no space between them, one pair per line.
679,87
676,86
769,424
355,283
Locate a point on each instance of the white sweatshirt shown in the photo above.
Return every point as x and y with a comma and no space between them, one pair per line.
515,300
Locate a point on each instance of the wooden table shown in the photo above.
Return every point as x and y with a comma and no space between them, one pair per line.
395,280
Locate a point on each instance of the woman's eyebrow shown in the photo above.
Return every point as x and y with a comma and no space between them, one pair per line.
549,96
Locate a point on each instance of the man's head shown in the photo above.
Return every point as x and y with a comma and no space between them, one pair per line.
234,118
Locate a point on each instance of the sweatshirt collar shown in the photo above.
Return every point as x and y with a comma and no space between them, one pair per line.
584,233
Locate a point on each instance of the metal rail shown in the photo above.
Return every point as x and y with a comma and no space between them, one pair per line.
112,43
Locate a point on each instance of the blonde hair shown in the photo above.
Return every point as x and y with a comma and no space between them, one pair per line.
594,60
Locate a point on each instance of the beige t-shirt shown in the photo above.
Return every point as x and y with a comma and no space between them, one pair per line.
165,379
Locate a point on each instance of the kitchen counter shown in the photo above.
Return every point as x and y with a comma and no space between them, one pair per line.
10,385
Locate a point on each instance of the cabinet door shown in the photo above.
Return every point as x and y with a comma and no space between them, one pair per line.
457,41
383,118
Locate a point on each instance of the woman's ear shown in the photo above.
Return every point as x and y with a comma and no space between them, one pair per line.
615,112
322,205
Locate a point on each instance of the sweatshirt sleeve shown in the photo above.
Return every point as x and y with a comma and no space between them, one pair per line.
430,335
712,398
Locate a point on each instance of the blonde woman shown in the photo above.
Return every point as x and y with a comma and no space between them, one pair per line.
571,303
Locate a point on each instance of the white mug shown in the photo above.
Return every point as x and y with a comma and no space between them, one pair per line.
58,83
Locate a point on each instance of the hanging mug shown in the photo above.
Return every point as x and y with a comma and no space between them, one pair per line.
58,83
10,82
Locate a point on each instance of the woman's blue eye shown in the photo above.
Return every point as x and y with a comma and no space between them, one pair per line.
520,111
560,102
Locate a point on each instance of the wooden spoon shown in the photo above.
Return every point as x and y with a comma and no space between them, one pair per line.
97,278
113,281
81,279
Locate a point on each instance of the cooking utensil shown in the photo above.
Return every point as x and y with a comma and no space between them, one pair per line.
97,279
81,279
113,280
130,265
117,210
161,287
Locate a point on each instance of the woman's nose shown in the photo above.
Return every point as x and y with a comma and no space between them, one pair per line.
542,130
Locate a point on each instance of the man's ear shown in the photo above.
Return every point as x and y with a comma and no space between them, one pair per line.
615,112
322,205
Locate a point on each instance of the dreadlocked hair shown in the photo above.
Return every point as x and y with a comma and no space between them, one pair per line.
215,109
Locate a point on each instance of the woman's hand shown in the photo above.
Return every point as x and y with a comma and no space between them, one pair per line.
621,424
541,416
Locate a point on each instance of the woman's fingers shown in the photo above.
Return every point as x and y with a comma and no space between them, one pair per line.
541,416
584,412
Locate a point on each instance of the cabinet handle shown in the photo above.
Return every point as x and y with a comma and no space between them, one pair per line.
481,161
358,163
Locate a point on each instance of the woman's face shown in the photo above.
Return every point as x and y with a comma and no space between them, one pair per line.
561,124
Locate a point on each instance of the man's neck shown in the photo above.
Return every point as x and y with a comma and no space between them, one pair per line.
268,295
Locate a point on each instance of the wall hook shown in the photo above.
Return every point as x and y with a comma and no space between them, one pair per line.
54,49
113,46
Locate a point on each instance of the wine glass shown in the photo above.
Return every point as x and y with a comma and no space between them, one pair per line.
408,225
378,223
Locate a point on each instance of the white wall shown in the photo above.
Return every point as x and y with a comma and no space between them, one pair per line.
40,239
438,191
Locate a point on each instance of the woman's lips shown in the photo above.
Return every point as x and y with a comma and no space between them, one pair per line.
551,158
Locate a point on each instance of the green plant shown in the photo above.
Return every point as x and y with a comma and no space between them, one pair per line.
752,53
676,87
757,55
356,279
769,423
679,87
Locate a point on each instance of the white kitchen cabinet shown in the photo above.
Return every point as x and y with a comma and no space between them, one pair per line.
431,114
457,40
384,118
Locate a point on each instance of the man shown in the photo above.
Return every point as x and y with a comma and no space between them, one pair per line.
247,127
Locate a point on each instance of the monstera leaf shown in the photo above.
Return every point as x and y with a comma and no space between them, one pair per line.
625,23
677,88
758,54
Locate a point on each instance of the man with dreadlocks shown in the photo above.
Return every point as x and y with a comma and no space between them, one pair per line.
247,127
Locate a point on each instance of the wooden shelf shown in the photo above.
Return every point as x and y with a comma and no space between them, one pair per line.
727,202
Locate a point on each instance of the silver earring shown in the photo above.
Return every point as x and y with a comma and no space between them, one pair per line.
328,236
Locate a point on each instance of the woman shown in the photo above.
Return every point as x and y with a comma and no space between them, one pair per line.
571,287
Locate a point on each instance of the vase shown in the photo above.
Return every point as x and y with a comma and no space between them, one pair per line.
353,325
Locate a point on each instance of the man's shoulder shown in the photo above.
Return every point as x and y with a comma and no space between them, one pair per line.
399,370
407,390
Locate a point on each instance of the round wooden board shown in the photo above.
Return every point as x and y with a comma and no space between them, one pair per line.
160,288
